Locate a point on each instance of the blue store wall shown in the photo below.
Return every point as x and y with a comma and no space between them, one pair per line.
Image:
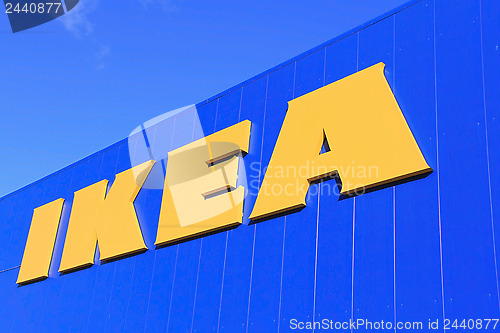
421,250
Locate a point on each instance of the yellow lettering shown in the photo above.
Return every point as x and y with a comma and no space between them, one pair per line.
40,244
108,220
360,122
200,194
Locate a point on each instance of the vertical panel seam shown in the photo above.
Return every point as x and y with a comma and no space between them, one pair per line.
172,290
154,261
437,160
394,187
196,285
317,224
281,276
487,149
201,241
354,214
222,284
284,223
255,226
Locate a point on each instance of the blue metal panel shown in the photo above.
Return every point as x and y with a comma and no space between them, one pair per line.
148,292
123,162
116,311
148,201
148,209
205,314
159,296
300,235
27,297
10,206
264,310
141,293
422,250
9,314
119,294
7,213
236,261
23,206
470,286
206,114
335,245
490,25
161,312
373,220
253,108
184,257
184,286
54,286
52,191
80,304
417,247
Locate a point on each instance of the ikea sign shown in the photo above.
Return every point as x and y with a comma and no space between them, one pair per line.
356,121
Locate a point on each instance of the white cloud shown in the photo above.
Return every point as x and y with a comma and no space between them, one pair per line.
103,52
76,20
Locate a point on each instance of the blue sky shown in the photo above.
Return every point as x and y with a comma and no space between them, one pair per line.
79,83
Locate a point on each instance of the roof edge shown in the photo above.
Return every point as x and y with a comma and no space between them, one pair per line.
312,50
237,86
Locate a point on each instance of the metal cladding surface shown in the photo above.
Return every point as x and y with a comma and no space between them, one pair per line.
418,251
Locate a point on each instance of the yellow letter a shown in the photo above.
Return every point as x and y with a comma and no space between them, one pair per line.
371,143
